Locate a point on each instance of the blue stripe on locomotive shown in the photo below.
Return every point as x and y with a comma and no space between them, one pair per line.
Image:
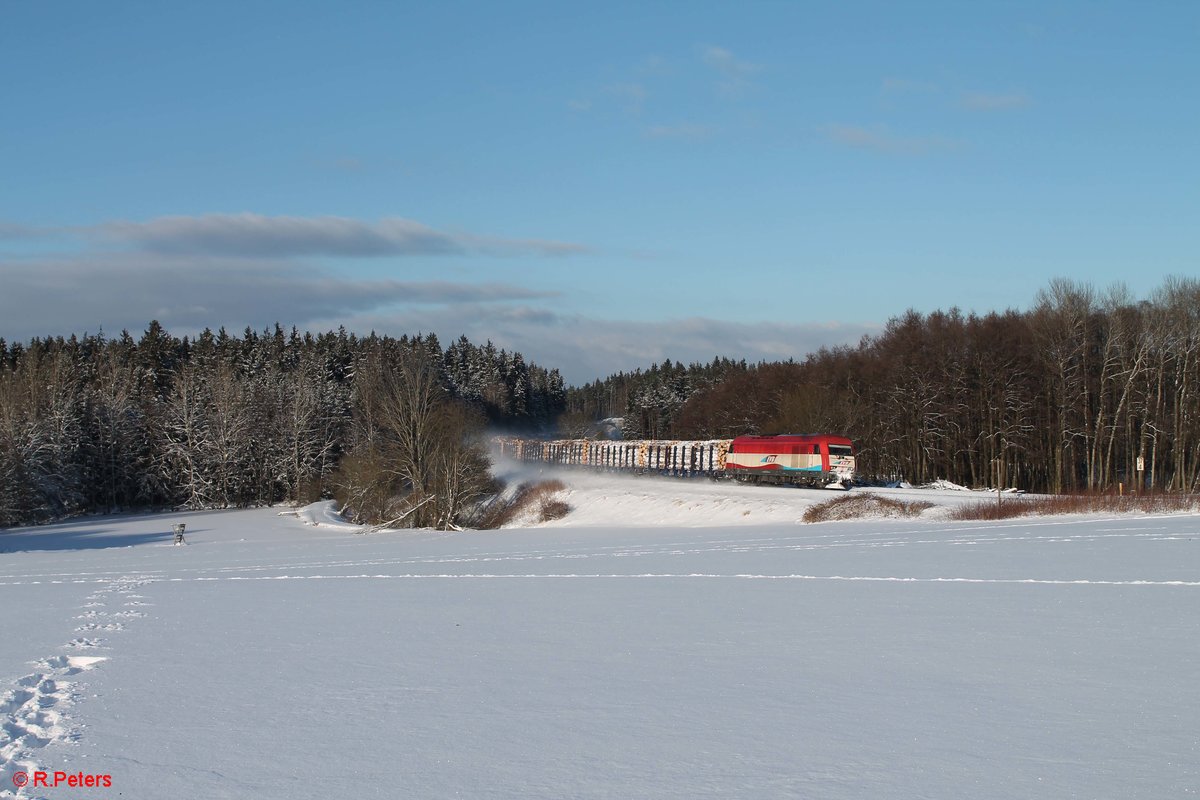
767,460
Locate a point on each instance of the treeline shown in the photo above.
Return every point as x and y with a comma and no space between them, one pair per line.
1064,397
649,401
1070,395
98,424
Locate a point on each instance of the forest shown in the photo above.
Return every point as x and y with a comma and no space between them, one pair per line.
1064,397
97,424
1067,396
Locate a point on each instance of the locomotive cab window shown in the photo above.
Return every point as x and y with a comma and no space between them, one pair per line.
840,450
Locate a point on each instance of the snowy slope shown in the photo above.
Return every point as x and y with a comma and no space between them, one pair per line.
752,657
605,499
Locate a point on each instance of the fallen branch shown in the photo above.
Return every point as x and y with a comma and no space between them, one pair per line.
390,523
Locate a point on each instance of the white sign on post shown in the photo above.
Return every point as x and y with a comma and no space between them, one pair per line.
1141,464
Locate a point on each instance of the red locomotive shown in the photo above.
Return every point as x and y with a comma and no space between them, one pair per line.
809,459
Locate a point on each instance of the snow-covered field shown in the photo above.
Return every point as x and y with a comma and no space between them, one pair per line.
603,499
667,639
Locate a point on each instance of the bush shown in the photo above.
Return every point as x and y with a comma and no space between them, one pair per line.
539,495
858,506
1078,504
552,510
361,487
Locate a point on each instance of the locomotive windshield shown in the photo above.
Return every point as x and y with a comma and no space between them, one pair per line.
840,450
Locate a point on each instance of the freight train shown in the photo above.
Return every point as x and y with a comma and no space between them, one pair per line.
810,459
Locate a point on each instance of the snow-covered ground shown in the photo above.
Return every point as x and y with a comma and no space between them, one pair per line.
666,639
607,499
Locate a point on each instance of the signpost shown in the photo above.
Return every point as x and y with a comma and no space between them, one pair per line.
998,501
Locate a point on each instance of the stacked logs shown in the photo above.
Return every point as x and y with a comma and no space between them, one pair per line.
663,456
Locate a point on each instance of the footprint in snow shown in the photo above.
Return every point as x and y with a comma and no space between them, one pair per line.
95,626
32,713
83,643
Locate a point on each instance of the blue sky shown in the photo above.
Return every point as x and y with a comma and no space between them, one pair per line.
598,186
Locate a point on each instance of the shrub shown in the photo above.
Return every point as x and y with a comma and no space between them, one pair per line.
1078,504
503,509
361,486
858,506
552,510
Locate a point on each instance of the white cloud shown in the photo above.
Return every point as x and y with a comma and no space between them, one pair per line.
192,273
907,86
685,130
585,348
259,236
983,101
654,66
735,73
12,231
882,141
725,62
632,95
77,294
